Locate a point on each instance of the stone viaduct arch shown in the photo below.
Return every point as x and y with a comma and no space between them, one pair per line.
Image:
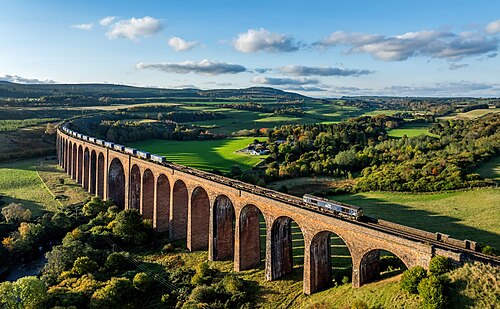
211,213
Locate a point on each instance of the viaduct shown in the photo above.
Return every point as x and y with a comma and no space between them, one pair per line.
221,215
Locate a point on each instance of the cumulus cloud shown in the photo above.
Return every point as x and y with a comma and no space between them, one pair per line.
433,44
456,66
278,81
205,67
255,40
179,44
106,21
134,28
86,27
24,80
303,88
299,70
493,27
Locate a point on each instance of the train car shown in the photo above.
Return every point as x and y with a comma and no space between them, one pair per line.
157,158
91,139
131,151
118,147
85,137
353,212
108,144
99,142
143,154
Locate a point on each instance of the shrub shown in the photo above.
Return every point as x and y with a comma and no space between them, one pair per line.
167,248
411,278
129,227
203,274
432,292
439,265
142,282
16,213
84,265
116,261
114,294
94,207
359,304
203,294
488,250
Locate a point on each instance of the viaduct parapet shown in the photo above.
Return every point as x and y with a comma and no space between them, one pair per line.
221,215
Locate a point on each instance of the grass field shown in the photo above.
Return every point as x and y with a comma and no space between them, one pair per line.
12,125
411,130
206,155
473,214
473,113
490,169
19,183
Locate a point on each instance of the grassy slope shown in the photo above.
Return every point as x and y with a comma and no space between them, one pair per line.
204,155
473,114
471,214
490,169
411,130
19,183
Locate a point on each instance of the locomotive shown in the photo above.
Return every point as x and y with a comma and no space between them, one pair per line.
348,211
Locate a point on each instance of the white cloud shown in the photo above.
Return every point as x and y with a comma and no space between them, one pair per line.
460,88
255,40
493,27
106,21
134,28
86,27
299,70
433,44
284,80
179,44
24,80
204,67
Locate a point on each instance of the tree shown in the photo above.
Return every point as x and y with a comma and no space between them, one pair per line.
411,278
432,292
27,292
142,282
16,213
113,294
84,265
129,227
439,265
94,207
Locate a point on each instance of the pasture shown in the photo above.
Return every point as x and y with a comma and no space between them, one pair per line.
411,130
490,169
473,114
473,214
205,155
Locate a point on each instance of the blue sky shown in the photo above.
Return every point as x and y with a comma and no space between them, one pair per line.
319,48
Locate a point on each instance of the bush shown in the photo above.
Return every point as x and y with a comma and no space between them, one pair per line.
203,274
411,278
359,304
16,213
114,294
432,292
142,282
167,248
129,227
116,261
84,265
94,207
439,265
488,250
203,294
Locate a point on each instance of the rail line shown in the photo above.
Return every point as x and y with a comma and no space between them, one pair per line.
367,222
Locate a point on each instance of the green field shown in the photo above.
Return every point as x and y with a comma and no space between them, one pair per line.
411,130
473,214
473,113
205,155
19,183
12,125
490,169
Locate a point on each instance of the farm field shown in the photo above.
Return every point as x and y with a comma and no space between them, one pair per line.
490,169
19,183
411,130
12,125
473,214
473,113
205,155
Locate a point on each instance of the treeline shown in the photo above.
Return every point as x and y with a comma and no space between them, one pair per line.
280,109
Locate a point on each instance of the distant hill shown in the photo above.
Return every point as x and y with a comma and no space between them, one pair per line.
13,90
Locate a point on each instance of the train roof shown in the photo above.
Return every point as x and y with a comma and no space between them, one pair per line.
331,201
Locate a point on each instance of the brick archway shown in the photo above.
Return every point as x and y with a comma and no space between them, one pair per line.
86,169
148,194
135,188
199,220
100,175
250,237
116,183
179,212
79,170
223,229
162,207
93,173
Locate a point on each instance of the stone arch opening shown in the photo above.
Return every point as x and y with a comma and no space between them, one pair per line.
199,220
66,149
116,183
79,171
179,213
287,248
73,169
86,169
252,237
330,260
380,264
162,207
100,175
135,188
69,159
223,229
148,194
93,172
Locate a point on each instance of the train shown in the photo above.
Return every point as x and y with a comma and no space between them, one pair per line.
349,211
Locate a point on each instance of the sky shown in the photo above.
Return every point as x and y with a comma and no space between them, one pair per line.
318,48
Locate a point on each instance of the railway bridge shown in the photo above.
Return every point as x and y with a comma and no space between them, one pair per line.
221,215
